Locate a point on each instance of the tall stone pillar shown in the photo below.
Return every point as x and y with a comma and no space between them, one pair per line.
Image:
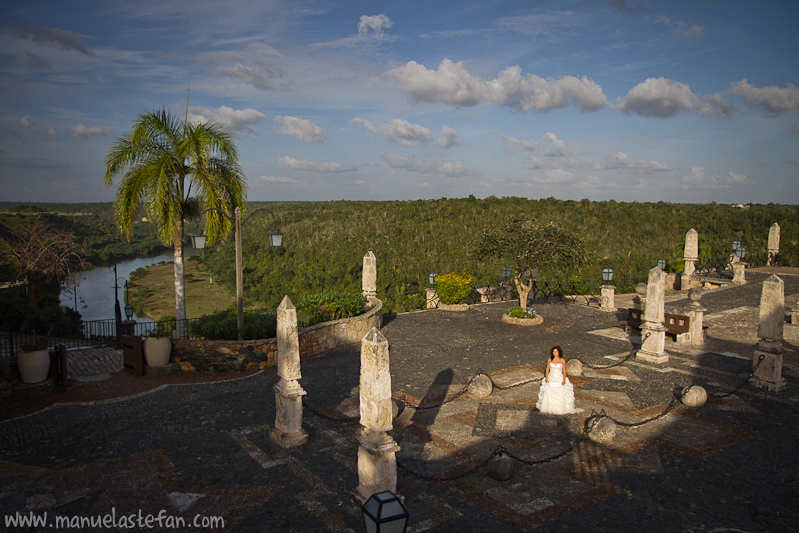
653,332
768,373
369,279
287,431
773,244
690,255
377,461
608,297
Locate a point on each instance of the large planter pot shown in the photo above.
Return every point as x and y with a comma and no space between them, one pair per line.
523,321
34,367
157,350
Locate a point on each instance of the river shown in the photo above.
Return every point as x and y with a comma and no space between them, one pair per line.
94,291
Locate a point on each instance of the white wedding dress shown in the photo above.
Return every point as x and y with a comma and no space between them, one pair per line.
555,398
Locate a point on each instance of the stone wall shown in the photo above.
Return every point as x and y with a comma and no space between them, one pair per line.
255,355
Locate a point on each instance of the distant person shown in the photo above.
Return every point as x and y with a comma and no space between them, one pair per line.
556,396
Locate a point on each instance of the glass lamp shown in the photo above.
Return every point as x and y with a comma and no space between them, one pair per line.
383,512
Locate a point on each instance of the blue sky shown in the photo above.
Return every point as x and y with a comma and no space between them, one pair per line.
682,101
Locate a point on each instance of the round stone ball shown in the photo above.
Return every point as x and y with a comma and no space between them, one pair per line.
601,430
641,288
694,396
574,367
395,410
481,387
695,295
501,467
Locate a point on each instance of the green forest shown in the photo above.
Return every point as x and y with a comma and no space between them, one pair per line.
324,242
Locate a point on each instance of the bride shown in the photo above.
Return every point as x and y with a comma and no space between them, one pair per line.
556,396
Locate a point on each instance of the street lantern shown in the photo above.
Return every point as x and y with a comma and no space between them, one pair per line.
607,275
198,241
383,512
275,237
432,278
662,264
740,252
506,272
128,312
736,245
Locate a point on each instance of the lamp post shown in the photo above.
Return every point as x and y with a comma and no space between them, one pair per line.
275,240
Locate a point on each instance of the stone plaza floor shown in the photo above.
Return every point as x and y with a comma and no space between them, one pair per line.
197,447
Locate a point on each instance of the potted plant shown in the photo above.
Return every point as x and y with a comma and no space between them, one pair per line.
33,362
157,348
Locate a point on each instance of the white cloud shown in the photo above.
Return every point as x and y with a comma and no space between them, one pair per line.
365,124
375,23
421,166
279,179
663,97
659,97
522,145
557,147
697,179
231,119
303,129
453,84
304,164
621,160
773,100
536,164
717,106
555,176
84,132
404,133
257,65
448,137
28,123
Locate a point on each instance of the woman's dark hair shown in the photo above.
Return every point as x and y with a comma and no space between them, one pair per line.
552,351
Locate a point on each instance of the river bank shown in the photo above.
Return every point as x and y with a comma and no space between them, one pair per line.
152,291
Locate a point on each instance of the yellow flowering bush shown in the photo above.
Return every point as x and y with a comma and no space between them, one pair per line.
453,287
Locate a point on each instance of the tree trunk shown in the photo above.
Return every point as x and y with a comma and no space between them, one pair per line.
181,327
524,284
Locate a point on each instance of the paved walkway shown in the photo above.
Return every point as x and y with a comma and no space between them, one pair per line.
202,450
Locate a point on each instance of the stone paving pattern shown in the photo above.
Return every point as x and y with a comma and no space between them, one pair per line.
189,446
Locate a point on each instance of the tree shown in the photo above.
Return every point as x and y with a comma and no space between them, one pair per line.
525,245
175,170
41,253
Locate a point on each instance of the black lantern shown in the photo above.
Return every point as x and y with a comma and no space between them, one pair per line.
740,252
383,512
432,278
607,275
198,241
662,264
506,272
736,245
275,237
128,312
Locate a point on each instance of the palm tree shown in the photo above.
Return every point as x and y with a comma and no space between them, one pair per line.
175,170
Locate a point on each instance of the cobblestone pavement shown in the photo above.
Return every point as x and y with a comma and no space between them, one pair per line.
202,450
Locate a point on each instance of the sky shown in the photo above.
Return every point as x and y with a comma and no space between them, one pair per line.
671,100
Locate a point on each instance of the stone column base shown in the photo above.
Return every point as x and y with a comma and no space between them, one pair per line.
769,372
377,465
287,431
653,344
651,357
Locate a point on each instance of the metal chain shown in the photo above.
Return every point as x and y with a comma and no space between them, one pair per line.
597,416
739,387
458,394
621,361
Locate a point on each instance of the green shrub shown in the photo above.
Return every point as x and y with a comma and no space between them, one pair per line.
223,325
454,288
518,312
332,305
